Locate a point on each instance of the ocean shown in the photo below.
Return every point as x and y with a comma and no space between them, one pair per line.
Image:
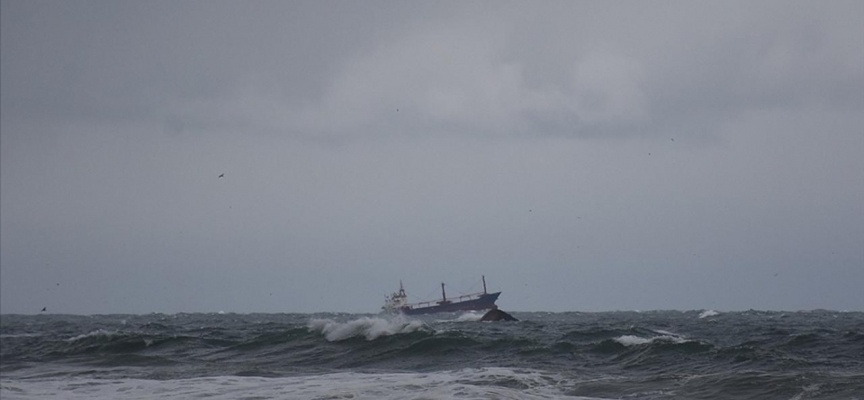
575,355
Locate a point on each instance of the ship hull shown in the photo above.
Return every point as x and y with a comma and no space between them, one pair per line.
484,302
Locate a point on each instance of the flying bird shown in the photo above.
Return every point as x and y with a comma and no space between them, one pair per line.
221,175
44,309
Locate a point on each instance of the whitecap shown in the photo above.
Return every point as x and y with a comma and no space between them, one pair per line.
370,328
631,340
19,335
708,313
471,383
96,333
808,391
667,333
469,316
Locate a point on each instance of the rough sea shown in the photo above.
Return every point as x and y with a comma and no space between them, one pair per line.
608,355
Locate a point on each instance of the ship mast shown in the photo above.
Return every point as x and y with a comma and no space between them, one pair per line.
484,283
443,295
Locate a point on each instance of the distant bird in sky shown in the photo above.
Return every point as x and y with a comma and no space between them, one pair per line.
221,175
44,309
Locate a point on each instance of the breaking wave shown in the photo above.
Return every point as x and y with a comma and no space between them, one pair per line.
708,313
369,327
469,383
631,340
657,355
469,316
94,334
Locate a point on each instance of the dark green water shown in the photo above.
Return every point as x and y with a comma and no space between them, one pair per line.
638,355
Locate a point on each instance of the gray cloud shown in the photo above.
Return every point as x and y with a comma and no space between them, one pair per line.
584,156
577,67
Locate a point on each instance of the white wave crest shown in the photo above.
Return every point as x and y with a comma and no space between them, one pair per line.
631,340
96,333
19,335
470,316
464,384
708,313
371,328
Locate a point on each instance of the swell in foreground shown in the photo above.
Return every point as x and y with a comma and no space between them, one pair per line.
651,355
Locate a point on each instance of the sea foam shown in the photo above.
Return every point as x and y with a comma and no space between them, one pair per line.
469,316
708,313
96,333
370,328
631,340
481,383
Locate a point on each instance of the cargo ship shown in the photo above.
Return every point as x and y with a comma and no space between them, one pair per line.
398,302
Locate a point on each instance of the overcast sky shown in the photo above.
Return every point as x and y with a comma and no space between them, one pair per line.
583,156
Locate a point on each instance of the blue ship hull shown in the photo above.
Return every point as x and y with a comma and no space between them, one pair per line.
484,302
